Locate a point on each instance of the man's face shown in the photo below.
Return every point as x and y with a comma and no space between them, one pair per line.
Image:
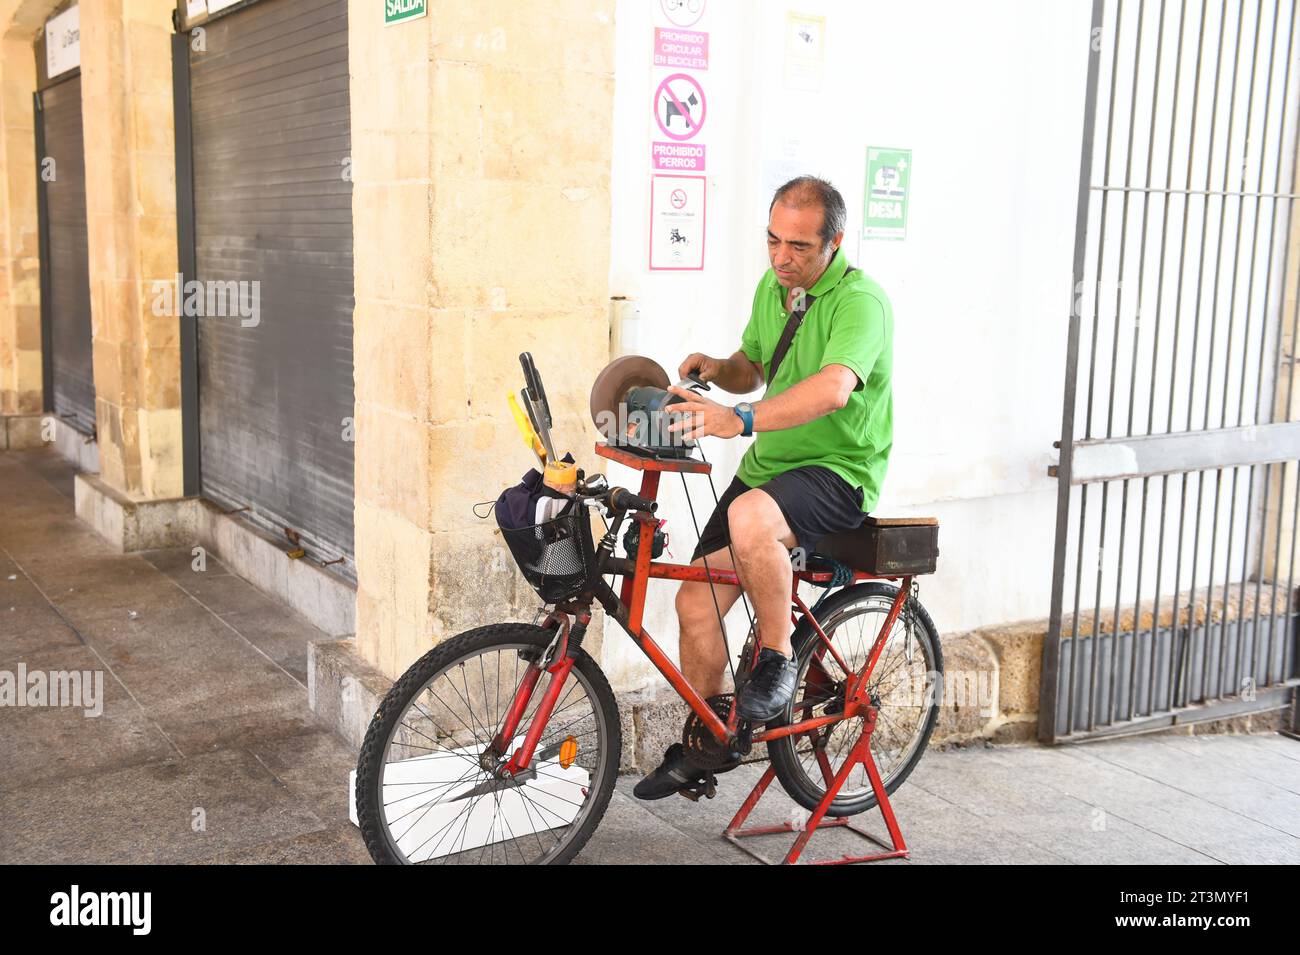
794,248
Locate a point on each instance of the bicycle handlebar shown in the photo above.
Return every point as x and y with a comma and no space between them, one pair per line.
620,498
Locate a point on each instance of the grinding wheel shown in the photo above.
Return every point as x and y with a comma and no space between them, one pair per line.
619,377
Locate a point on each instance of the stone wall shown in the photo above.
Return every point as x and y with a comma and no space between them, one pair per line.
481,139
20,277
131,218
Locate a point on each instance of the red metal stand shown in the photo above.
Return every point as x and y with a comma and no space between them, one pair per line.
861,753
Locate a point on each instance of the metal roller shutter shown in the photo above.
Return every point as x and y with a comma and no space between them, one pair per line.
270,134
66,257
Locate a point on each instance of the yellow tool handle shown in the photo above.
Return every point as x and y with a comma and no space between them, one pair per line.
526,428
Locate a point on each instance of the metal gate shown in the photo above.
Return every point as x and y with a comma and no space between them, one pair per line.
1173,579
268,216
65,259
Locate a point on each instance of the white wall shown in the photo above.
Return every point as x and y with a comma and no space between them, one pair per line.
990,99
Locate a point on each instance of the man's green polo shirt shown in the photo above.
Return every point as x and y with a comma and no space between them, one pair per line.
850,323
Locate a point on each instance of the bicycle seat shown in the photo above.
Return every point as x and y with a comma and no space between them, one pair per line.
886,546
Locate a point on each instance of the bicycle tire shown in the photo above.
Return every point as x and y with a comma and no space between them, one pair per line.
438,661
787,765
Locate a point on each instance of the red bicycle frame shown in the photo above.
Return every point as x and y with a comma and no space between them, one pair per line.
630,608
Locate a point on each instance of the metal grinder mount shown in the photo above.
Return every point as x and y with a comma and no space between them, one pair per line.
631,407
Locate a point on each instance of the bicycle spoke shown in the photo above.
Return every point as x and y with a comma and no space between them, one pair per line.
855,630
547,804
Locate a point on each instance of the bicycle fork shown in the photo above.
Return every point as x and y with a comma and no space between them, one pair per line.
556,661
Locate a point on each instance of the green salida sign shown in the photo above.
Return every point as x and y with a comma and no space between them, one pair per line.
395,11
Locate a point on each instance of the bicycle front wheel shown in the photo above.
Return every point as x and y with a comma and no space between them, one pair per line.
429,788
904,686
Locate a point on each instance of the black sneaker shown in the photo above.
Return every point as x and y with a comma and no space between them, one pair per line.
769,688
677,774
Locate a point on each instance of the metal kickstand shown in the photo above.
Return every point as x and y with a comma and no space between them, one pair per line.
861,753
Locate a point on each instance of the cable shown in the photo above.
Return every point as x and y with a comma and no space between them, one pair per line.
722,628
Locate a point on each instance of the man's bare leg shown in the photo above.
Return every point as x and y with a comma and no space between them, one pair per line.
761,541
702,651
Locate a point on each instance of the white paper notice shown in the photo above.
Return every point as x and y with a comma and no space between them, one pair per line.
805,51
677,222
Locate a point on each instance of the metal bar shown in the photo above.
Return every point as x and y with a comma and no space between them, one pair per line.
1182,253
1137,609
1175,668
1181,451
1250,293
1114,348
1198,192
1288,638
1049,685
1137,324
1119,580
1227,359
186,260
1074,624
1274,698
1272,607
1214,317
1155,354
1114,357
1263,347
1196,325
1123,222
1178,649
1101,229
1092,366
1283,361
43,243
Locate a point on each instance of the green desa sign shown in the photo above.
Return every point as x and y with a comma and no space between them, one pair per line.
395,11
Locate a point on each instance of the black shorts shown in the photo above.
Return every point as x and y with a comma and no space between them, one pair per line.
814,500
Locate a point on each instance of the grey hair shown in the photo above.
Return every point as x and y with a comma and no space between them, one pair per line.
806,190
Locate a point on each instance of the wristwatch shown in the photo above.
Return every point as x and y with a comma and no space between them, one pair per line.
745,411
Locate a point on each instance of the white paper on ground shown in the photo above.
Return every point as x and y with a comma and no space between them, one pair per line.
428,821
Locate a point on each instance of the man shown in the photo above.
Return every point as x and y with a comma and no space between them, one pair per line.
823,430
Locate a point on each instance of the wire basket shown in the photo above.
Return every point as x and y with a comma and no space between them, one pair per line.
557,558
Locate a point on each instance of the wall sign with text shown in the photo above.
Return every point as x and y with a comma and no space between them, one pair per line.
677,222
889,177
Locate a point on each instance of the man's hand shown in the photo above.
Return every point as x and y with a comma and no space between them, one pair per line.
821,394
701,417
706,368
736,374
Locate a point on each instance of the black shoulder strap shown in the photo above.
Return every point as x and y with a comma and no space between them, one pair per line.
791,326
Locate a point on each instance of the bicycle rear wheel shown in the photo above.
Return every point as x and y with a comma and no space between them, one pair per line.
904,686
427,788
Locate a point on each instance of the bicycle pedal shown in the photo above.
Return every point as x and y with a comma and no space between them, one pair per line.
744,739
708,789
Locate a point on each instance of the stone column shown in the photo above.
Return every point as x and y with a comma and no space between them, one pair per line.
481,138
21,385
1279,548
131,215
